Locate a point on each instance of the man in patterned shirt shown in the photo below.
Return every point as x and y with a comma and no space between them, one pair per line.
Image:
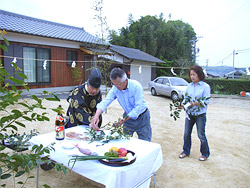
83,100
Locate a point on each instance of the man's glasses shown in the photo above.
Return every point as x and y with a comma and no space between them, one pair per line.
118,85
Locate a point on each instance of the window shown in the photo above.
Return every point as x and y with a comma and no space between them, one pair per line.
159,80
178,82
33,67
165,81
71,56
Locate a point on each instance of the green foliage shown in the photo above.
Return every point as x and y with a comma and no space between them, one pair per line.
177,105
173,41
218,89
175,108
202,103
18,142
228,86
109,132
15,164
165,70
104,65
76,74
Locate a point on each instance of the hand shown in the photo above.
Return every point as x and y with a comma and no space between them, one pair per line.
119,123
122,121
94,123
195,103
181,106
95,120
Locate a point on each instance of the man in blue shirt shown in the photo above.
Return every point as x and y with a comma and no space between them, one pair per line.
129,93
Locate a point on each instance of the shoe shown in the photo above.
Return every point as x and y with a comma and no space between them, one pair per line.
182,155
202,158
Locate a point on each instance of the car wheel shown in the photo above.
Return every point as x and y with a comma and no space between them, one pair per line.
153,92
174,96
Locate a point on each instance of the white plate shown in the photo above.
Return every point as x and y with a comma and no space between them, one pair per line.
68,145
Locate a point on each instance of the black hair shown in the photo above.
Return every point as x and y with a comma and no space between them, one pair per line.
118,72
198,70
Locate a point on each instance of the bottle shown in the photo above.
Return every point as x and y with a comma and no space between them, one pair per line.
60,126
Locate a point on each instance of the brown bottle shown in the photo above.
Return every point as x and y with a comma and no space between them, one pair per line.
59,126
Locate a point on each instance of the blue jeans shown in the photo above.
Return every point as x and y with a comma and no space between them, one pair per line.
200,125
141,126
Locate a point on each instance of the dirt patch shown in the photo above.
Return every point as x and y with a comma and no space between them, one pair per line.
227,130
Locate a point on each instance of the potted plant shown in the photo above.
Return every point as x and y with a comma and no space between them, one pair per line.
18,142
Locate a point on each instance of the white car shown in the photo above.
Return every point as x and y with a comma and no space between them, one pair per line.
173,87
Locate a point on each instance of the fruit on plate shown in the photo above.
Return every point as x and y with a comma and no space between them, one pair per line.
111,153
114,148
116,152
122,152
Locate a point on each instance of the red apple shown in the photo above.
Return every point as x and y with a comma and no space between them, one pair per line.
122,152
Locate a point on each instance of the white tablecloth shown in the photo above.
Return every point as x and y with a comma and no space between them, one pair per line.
148,160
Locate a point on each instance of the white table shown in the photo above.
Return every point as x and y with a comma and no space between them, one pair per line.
148,161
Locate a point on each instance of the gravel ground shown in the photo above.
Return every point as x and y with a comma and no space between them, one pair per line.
227,130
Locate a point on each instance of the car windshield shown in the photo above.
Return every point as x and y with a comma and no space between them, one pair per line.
178,82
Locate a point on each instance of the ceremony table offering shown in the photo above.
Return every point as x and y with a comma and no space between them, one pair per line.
105,162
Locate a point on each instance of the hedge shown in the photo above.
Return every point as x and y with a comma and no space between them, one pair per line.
227,86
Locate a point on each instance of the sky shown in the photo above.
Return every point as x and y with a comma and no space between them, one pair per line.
222,26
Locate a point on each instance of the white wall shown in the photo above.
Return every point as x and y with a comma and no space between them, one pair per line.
145,77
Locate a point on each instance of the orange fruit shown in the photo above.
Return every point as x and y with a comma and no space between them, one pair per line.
114,148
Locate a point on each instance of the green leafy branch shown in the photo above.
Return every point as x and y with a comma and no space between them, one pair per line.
175,109
176,106
107,133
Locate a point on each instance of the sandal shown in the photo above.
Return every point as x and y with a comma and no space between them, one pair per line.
202,158
182,155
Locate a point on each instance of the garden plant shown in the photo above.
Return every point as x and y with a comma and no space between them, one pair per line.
17,164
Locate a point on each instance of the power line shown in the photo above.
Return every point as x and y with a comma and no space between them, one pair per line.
126,64
97,61
229,55
243,50
242,9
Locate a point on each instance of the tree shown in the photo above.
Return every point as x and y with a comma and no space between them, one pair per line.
104,64
169,41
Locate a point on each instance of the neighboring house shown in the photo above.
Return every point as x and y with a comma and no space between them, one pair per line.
236,74
225,72
213,74
136,63
45,51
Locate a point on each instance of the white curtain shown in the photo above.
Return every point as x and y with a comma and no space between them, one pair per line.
29,64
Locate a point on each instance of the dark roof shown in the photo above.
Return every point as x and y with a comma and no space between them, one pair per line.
213,73
222,70
136,54
236,72
33,26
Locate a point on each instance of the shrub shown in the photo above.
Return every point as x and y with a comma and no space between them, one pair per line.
227,86
15,164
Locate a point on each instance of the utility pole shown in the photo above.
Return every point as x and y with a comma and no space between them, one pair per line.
233,61
195,51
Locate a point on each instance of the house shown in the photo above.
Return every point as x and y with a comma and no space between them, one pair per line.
213,74
225,72
46,51
235,74
137,64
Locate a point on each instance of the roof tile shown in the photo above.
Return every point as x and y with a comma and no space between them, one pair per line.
33,26
132,53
